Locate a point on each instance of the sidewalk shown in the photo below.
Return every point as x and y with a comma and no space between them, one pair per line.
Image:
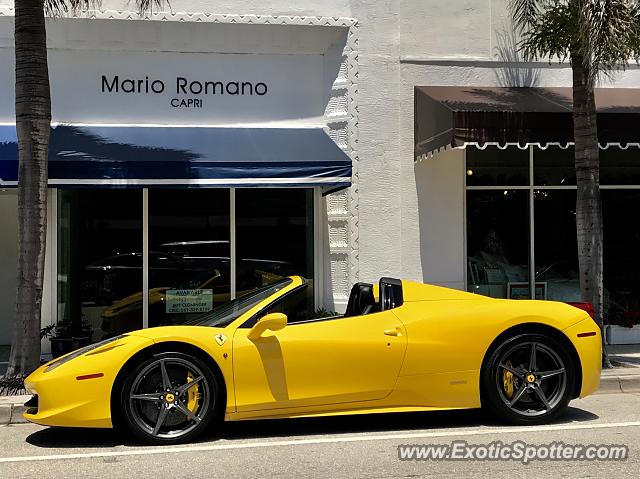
11,409
625,355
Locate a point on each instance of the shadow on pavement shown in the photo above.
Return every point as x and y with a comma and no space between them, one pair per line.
57,437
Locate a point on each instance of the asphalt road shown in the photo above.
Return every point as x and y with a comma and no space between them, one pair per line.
341,447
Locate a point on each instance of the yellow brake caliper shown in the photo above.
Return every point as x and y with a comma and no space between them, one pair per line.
507,381
193,394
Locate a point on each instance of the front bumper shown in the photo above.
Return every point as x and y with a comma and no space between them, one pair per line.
66,399
589,349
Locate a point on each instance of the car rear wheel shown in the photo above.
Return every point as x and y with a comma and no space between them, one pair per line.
170,398
528,379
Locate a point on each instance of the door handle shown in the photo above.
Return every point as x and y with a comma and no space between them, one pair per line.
392,332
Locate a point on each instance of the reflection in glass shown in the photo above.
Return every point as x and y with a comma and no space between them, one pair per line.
621,208
99,259
620,167
498,243
189,264
227,313
297,306
495,167
556,244
554,166
274,231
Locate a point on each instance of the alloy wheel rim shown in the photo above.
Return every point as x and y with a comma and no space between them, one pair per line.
539,378
159,398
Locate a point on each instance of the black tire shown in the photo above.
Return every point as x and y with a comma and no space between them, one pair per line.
519,394
186,411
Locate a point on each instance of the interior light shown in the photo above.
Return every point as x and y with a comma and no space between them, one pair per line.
469,172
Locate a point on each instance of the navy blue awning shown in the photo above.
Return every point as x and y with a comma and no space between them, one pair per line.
130,156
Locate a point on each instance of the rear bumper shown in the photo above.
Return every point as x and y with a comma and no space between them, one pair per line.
589,349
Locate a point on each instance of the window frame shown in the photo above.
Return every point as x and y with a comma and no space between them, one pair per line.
532,189
316,252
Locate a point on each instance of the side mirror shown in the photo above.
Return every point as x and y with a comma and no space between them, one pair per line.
272,322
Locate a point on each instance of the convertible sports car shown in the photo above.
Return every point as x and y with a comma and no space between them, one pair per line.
400,346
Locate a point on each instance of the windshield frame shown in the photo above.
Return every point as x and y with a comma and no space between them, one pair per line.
229,312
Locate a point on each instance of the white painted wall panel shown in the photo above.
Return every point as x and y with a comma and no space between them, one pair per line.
440,193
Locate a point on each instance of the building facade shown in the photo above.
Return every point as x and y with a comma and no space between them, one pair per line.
206,150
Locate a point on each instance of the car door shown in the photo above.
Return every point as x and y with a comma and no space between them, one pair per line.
318,362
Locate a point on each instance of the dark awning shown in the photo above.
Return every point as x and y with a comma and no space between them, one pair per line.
184,156
458,116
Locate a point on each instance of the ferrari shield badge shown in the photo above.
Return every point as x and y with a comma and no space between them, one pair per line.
220,339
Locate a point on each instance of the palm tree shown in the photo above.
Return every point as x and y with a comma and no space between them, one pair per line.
33,119
599,37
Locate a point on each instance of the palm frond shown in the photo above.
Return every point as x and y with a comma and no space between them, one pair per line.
609,34
525,13
550,34
604,34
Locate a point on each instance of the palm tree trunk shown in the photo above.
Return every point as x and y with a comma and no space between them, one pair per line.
588,203
33,119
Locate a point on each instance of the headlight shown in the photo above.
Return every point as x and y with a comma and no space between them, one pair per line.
80,352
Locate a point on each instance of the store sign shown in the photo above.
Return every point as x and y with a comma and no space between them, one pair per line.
180,301
179,88
184,88
522,291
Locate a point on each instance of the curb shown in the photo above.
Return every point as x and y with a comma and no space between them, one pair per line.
11,409
623,383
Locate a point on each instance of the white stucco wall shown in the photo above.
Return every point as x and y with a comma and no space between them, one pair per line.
399,219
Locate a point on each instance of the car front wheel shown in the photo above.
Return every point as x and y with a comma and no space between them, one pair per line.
170,398
528,379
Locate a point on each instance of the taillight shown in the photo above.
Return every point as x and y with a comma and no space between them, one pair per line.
588,307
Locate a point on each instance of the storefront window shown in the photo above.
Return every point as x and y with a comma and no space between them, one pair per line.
274,229
556,249
498,230
498,243
99,261
189,253
621,208
496,167
620,167
100,253
554,166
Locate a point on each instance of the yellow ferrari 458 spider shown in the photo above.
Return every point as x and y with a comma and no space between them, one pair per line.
400,346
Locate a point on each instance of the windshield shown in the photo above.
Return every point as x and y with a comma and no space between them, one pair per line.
226,313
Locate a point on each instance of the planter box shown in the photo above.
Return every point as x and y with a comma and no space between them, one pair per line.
621,335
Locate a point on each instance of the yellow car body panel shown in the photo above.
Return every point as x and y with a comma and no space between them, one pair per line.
318,363
203,338
65,400
426,354
589,349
